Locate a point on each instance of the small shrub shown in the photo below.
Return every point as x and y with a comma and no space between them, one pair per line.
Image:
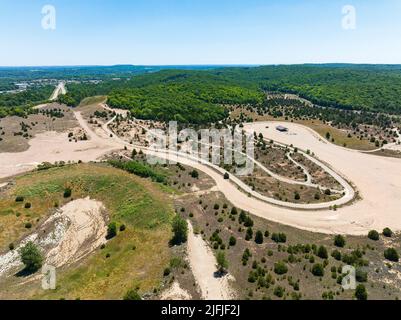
391,254
336,255
28,205
111,230
31,257
318,270
279,237
180,230
132,295
194,174
279,291
387,233
166,272
373,235
19,199
361,293
322,252
249,234
222,263
67,192
259,237
361,276
339,241
280,268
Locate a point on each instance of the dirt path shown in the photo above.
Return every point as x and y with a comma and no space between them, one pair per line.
203,265
377,179
60,89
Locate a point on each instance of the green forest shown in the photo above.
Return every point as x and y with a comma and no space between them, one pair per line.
19,103
199,96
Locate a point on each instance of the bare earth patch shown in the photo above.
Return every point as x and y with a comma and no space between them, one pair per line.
69,235
175,292
203,265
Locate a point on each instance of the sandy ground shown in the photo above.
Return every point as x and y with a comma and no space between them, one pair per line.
60,89
203,265
175,292
70,234
86,231
376,178
3,184
52,147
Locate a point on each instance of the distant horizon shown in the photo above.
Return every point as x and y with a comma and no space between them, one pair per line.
202,65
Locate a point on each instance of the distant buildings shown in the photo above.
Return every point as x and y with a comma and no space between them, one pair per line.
282,129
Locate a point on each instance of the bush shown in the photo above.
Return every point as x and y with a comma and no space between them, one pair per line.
111,230
19,199
222,263
28,225
31,257
28,205
67,192
387,233
249,234
327,192
11,246
232,242
339,241
391,254
226,176
279,291
132,295
166,272
361,293
234,211
361,276
279,237
194,174
259,237
180,230
322,252
318,270
123,227
336,255
280,268
373,235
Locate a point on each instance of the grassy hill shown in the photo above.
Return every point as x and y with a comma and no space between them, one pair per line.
135,258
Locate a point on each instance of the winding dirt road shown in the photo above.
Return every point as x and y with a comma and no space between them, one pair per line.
376,178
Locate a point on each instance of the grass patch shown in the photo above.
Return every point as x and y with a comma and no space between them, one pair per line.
92,100
139,204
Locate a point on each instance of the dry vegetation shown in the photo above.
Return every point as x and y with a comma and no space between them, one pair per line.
15,132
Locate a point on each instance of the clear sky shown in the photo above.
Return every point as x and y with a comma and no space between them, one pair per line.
160,32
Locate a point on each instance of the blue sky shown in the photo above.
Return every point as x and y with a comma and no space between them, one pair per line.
159,32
